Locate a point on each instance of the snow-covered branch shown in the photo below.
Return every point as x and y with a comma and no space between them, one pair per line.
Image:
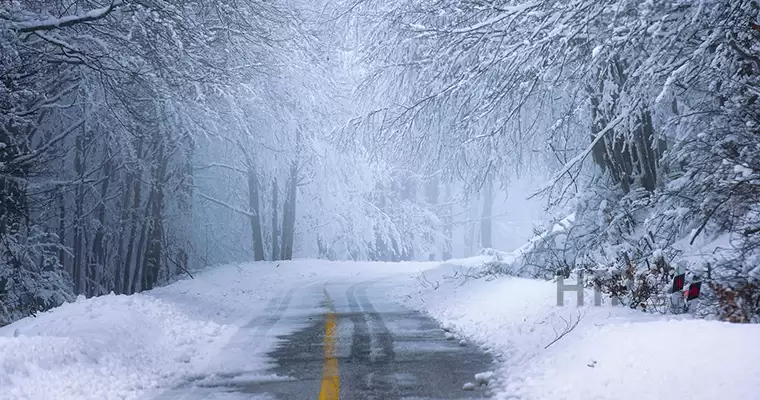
226,205
56,23
581,156
505,12
26,158
219,165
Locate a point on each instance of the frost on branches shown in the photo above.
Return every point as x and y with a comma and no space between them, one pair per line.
31,279
140,140
686,199
649,110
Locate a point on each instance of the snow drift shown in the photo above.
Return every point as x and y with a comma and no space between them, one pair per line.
612,353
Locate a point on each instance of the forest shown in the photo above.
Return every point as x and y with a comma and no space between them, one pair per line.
142,140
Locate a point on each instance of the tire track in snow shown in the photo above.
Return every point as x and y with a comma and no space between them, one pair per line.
371,372
360,342
383,337
192,387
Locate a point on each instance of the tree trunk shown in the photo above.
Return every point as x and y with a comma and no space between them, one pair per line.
78,264
431,195
448,226
139,267
98,245
151,265
628,157
275,222
408,192
647,152
132,222
122,265
61,199
12,192
289,214
485,221
324,249
382,251
253,205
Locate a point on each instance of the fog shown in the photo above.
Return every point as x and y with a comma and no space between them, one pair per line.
141,140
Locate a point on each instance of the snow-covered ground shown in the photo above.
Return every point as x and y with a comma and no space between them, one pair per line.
613,353
134,347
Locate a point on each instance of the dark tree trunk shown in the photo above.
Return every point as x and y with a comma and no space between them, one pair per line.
629,158
139,267
647,151
275,222
154,251
98,245
12,194
78,250
61,199
132,223
122,265
154,226
253,205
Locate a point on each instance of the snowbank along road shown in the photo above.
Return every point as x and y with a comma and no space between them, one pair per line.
311,329
345,341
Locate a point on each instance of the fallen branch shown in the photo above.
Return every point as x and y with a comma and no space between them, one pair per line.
569,327
176,264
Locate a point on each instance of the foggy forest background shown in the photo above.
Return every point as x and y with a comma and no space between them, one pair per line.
141,140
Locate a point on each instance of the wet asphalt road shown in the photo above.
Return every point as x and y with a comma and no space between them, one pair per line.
382,350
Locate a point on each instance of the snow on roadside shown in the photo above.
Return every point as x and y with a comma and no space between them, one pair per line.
613,353
133,347
93,349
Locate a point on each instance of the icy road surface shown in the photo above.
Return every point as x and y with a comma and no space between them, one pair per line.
350,343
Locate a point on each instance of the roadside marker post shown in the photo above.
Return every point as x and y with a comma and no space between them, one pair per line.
677,303
694,289
680,298
678,282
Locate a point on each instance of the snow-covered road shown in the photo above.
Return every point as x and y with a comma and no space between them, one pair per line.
302,329
379,350
176,341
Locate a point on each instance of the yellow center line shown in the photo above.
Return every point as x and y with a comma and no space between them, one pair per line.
330,379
